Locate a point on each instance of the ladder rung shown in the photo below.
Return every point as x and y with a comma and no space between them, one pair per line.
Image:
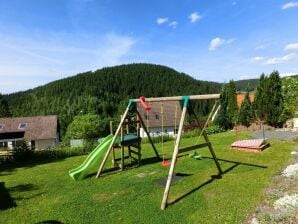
186,149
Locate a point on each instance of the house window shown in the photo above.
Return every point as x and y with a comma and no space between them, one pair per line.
23,125
156,117
1,126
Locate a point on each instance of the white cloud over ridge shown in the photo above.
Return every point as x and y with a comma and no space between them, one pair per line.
163,20
289,5
260,47
194,17
257,59
217,42
281,60
34,61
173,24
291,47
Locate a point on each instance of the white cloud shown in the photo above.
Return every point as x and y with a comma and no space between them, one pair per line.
288,74
291,47
194,17
115,47
217,42
289,5
282,60
260,47
49,58
173,24
257,59
229,41
160,21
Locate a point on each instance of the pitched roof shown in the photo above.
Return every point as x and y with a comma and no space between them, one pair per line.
155,118
241,96
35,128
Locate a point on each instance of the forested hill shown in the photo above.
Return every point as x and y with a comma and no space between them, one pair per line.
243,85
106,91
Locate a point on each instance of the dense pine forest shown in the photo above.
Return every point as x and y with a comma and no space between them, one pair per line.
106,92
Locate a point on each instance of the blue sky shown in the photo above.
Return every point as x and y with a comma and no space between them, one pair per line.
46,40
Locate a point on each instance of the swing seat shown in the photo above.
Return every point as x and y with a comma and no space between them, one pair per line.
165,163
195,155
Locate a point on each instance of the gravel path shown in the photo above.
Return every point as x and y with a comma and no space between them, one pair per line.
280,204
280,135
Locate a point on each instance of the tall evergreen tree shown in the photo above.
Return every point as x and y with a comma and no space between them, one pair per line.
275,103
268,104
232,107
4,109
245,114
224,119
260,101
290,97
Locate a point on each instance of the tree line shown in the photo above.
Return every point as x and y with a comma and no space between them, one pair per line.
275,101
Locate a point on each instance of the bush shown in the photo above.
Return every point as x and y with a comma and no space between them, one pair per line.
209,131
59,153
158,139
22,152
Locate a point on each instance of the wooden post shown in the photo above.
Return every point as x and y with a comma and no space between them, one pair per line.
174,158
209,145
113,141
122,147
147,133
113,150
111,127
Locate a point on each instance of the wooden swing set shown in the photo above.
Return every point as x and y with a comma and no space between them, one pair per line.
185,108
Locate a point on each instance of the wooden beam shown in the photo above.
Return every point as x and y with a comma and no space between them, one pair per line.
207,141
177,98
113,142
174,157
193,147
148,134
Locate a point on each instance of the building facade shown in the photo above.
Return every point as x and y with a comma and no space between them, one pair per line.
41,132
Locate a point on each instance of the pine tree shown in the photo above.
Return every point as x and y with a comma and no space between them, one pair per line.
268,104
232,108
245,114
224,119
4,109
275,99
260,101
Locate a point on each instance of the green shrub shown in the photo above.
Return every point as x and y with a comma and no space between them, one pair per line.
213,129
158,139
58,153
22,152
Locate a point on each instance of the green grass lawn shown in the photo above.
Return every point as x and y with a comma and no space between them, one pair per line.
44,192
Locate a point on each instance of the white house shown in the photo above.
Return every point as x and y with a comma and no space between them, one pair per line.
163,118
41,132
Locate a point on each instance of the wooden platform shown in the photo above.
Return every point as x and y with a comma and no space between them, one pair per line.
251,145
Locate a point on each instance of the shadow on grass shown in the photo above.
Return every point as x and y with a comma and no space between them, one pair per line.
10,168
6,201
23,187
50,222
215,177
128,165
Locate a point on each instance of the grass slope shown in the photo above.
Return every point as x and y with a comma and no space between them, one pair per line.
44,192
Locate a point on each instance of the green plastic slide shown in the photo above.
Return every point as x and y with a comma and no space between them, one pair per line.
92,160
